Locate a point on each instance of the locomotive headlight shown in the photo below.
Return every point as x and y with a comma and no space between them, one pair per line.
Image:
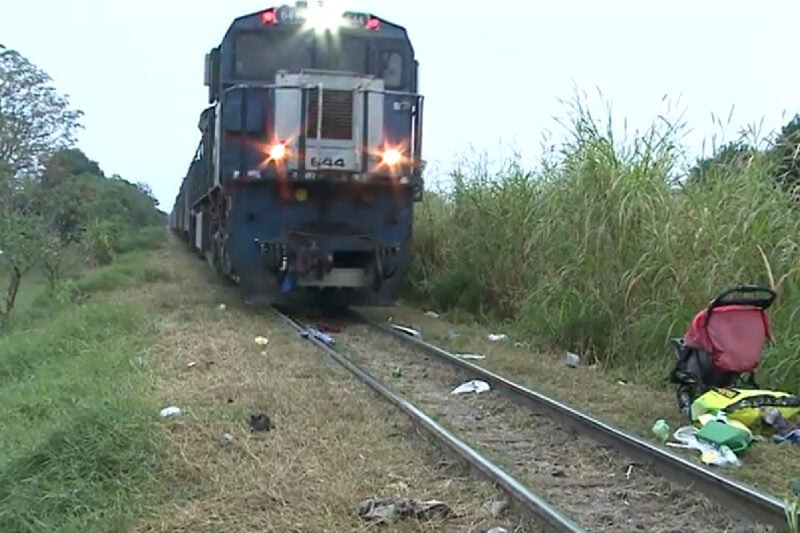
277,151
391,157
321,17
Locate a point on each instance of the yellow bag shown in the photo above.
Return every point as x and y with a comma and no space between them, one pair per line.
744,405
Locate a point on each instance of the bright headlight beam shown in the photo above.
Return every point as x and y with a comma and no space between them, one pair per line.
278,151
321,17
391,157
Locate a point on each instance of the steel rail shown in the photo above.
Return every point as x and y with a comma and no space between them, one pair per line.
743,500
552,518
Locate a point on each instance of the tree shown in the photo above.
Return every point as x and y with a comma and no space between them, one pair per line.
68,163
21,236
53,195
148,192
786,154
35,121
733,154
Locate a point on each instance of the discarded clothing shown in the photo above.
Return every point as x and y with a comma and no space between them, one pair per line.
391,509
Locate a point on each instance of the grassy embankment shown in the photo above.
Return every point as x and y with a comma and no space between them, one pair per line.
599,252
78,450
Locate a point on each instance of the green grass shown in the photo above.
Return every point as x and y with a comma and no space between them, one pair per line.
81,444
147,238
599,252
130,271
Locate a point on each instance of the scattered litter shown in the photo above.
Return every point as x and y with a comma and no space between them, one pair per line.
192,364
226,440
628,472
571,359
496,508
495,337
222,307
621,382
317,334
397,372
477,386
497,529
470,356
661,429
264,352
388,510
262,341
260,422
792,436
432,314
407,330
171,411
775,419
709,453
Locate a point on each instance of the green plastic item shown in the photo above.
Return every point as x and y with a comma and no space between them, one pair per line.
723,434
661,430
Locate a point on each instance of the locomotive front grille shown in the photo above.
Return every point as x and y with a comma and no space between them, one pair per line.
337,114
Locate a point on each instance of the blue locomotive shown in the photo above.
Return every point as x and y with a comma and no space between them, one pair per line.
303,185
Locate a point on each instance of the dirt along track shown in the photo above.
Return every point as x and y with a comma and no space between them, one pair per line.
595,485
333,445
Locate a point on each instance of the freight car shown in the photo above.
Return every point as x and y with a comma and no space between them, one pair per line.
303,185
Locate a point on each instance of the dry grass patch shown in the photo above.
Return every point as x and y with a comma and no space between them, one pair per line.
631,406
334,444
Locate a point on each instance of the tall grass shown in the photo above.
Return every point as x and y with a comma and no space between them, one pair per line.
81,445
604,252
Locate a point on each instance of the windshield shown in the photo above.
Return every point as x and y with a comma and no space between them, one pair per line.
259,55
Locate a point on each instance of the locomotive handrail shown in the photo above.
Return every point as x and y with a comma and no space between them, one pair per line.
390,92
415,148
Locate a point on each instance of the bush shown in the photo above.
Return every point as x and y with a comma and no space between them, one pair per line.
100,241
603,252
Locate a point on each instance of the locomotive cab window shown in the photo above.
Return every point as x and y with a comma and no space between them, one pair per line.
343,53
354,55
260,55
392,66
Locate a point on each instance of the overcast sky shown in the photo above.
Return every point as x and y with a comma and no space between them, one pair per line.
491,71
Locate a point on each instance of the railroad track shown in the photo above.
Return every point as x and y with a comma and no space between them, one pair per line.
587,475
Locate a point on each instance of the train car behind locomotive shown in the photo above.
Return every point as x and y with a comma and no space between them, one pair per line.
303,185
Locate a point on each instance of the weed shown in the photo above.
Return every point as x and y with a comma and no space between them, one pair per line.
603,252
